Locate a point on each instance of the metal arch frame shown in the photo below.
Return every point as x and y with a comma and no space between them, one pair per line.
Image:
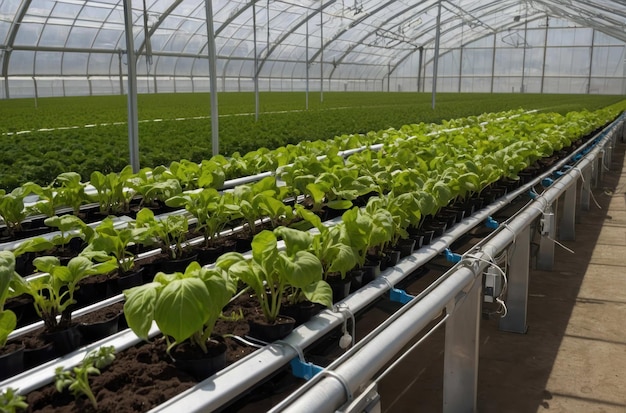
362,39
21,12
582,12
535,18
564,13
417,37
345,30
115,52
303,21
477,38
470,38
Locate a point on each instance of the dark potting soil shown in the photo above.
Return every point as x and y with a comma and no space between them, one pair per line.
144,376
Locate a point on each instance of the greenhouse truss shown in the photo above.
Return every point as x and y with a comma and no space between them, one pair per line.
79,47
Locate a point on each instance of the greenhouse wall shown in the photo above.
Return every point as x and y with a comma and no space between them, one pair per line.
542,56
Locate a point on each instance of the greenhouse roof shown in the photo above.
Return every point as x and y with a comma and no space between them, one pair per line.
87,38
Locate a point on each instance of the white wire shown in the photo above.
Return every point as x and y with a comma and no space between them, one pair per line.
562,246
505,283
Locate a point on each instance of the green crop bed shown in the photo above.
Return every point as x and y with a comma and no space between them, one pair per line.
97,138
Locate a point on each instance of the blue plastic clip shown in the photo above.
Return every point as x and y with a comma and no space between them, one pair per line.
400,296
451,256
304,369
532,194
546,182
491,223
577,157
558,174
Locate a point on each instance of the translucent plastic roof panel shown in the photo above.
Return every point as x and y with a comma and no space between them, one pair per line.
373,35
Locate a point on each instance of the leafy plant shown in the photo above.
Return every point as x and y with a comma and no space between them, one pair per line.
77,380
113,192
47,202
11,401
183,305
115,242
12,208
53,293
211,209
8,320
70,191
271,271
263,198
70,227
331,245
169,231
155,185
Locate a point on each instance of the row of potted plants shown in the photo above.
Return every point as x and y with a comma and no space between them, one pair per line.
213,211
335,250
114,192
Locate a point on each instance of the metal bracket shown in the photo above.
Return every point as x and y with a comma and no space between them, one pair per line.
367,402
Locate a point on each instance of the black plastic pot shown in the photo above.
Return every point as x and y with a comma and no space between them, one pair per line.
390,258
95,331
65,340
301,312
36,356
209,255
12,363
271,332
202,365
371,270
356,276
177,265
340,287
89,293
406,247
129,280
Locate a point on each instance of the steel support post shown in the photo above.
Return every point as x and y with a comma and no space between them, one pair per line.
545,256
595,172
460,368
585,196
601,162
567,224
517,284
608,155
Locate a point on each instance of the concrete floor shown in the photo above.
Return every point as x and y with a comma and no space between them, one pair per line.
573,356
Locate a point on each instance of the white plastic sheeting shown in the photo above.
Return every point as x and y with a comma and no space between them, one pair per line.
77,47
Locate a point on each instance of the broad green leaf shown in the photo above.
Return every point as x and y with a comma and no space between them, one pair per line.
181,308
343,258
8,321
225,261
316,192
36,244
245,271
294,240
7,271
263,245
46,263
301,270
340,204
139,308
319,292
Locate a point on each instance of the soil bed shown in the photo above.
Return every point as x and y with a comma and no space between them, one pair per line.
144,376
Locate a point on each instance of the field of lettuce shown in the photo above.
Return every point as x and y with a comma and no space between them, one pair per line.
41,139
